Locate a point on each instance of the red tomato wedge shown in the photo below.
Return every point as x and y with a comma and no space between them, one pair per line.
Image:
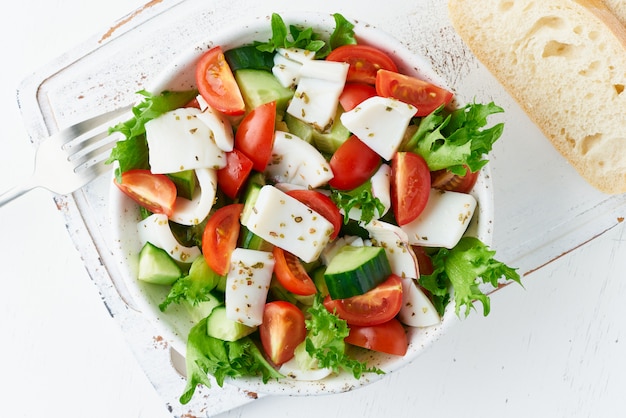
424,262
352,164
425,96
216,83
445,180
220,237
388,337
410,186
234,175
282,330
155,192
291,274
321,204
255,135
376,306
364,60
355,93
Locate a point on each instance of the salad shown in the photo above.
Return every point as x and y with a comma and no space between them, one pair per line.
303,199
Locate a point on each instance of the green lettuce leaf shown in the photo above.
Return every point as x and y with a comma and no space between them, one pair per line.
456,140
325,344
195,287
464,268
342,35
132,152
207,355
306,38
362,198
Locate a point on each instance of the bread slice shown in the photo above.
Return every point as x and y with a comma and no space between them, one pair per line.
564,61
618,8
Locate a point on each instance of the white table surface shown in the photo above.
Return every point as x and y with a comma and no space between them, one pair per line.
556,348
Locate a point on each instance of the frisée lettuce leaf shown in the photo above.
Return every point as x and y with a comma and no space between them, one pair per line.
458,140
221,359
324,346
464,268
362,198
194,288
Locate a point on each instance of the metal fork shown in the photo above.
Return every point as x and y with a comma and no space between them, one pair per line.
71,158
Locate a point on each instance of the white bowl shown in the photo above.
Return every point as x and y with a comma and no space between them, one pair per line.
175,323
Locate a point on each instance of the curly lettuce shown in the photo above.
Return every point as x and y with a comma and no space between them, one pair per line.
324,346
207,355
463,269
458,140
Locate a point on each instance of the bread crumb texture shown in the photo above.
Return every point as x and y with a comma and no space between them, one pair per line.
565,64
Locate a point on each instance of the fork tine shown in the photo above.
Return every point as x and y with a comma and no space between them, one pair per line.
97,169
78,130
72,157
94,142
83,160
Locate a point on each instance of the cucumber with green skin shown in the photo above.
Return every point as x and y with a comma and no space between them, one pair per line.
219,326
259,87
253,187
185,182
327,142
356,270
250,240
249,57
157,266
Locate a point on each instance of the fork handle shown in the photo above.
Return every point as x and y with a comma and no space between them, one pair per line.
15,192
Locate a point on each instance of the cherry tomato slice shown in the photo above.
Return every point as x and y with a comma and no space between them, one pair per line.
216,83
355,93
234,174
424,262
364,60
291,274
220,237
388,337
410,186
352,164
155,192
445,180
425,96
376,306
321,204
283,328
255,135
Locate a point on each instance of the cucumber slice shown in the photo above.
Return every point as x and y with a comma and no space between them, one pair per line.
202,276
219,326
330,140
318,278
251,241
253,187
249,57
201,310
185,182
356,270
156,266
221,284
327,142
300,129
259,87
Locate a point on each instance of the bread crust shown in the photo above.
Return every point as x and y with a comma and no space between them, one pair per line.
618,8
565,64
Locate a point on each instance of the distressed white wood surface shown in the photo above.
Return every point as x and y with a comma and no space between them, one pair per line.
553,349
